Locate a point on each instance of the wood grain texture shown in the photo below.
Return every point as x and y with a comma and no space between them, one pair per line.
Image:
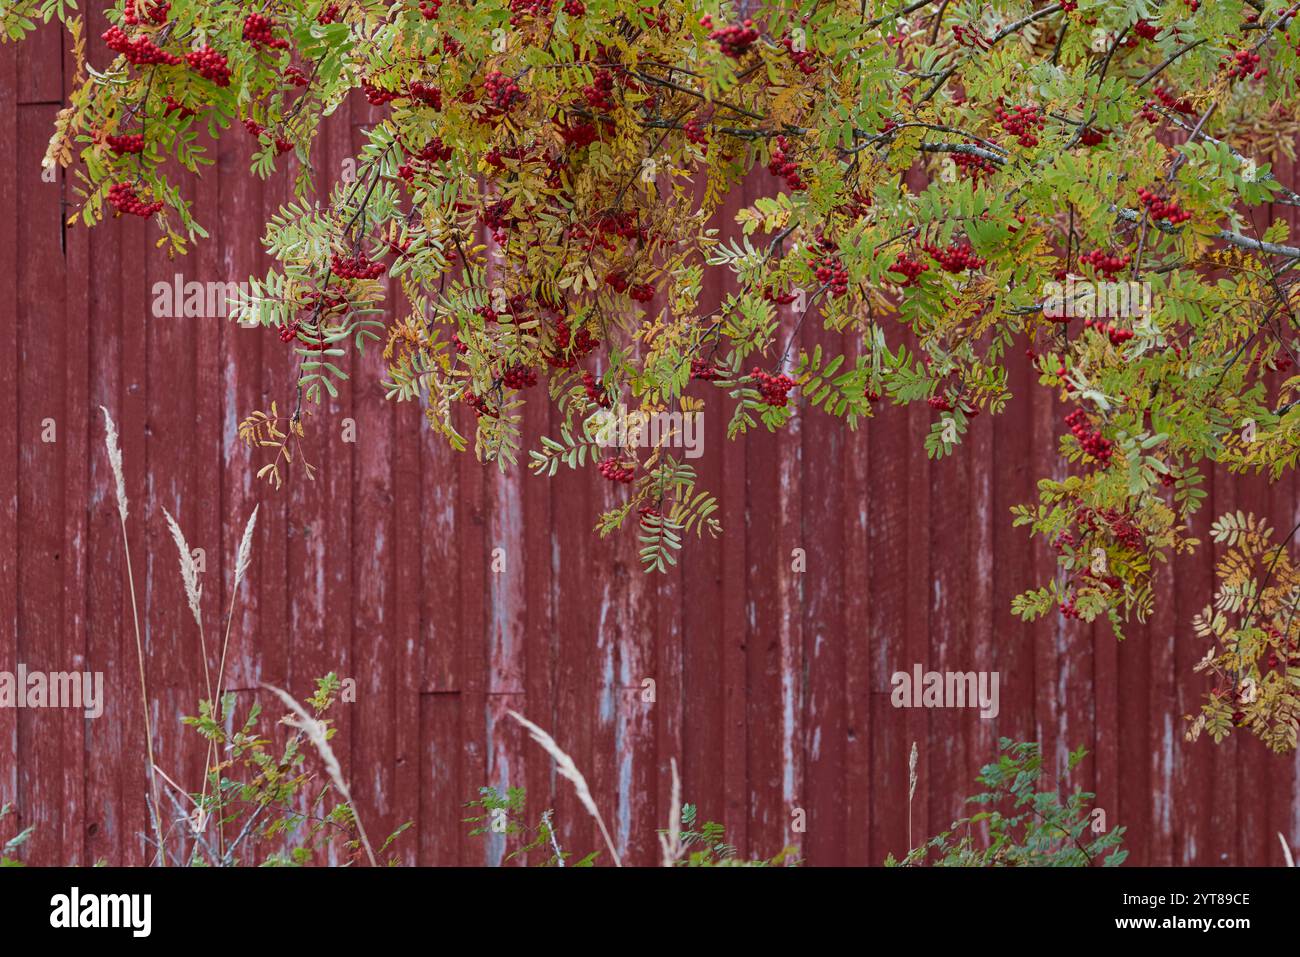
770,683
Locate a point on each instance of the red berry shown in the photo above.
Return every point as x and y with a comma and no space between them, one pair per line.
774,389
210,65
126,143
616,471
356,267
139,52
258,31
123,198
735,41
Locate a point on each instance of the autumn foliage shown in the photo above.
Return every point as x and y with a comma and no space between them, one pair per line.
955,187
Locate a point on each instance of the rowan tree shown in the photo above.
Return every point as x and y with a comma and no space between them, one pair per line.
541,192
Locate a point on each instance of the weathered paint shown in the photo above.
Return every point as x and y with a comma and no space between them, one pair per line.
771,686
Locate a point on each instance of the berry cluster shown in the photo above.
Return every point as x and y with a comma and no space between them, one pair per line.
910,268
574,8
974,166
568,350
656,18
435,151
642,292
1092,441
521,10
496,217
779,298
1243,64
1160,208
295,76
622,224
123,198
695,132
1171,101
355,267
496,157
939,403
377,96
429,9
259,32
734,41
969,37
502,91
595,392
1020,122
1063,541
1117,335
774,389
578,134
828,269
704,370
426,93
518,377
781,165
1106,263
803,59
1115,523
1146,30
480,405
138,52
1092,137
616,471
282,145
126,143
597,93
174,105
957,257
156,14
1068,608
210,65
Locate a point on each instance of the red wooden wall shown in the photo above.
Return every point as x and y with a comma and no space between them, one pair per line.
772,686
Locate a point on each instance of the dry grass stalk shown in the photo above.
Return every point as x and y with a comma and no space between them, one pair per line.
193,596
1286,851
245,548
564,764
242,558
189,569
315,731
547,816
672,841
911,792
241,568
115,460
